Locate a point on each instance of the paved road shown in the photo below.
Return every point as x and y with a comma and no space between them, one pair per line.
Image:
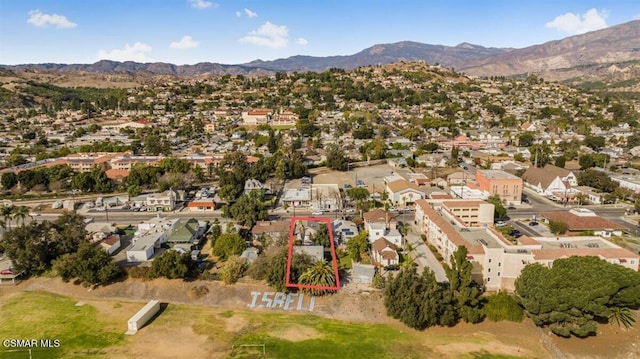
423,256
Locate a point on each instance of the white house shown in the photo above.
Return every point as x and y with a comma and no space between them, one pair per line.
165,201
403,192
384,252
549,180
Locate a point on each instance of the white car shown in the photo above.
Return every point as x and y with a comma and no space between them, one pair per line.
501,224
317,213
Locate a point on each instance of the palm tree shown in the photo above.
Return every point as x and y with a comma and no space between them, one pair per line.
7,214
20,213
623,316
322,274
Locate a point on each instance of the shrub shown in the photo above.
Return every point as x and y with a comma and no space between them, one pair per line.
502,306
233,270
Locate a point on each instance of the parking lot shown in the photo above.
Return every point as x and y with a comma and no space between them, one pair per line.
373,176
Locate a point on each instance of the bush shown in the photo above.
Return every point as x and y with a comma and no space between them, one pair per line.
233,270
139,272
503,306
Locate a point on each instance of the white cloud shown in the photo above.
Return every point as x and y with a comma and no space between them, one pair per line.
136,52
301,41
571,23
238,14
187,42
269,35
250,13
38,19
202,4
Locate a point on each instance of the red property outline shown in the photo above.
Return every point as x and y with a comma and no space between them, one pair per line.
334,258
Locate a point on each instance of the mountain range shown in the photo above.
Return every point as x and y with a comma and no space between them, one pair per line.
609,56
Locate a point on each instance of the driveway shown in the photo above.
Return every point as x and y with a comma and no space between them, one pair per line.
423,256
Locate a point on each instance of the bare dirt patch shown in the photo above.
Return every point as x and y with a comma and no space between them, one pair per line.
297,333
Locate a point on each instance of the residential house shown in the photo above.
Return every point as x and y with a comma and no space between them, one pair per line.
380,223
384,252
296,198
403,192
325,197
149,236
111,244
550,180
165,201
253,184
344,230
271,229
629,182
190,231
592,195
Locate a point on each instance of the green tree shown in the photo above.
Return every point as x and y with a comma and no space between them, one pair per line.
9,180
498,211
32,247
321,274
577,292
419,301
358,194
586,161
596,143
174,265
526,139
233,269
558,227
275,267
358,246
336,159
321,237
233,172
229,244
90,265
248,209
466,291
560,161
597,179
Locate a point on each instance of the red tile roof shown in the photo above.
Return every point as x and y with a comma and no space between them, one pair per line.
578,223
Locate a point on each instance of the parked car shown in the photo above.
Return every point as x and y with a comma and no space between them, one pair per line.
533,223
317,213
511,208
392,267
7,271
515,233
501,223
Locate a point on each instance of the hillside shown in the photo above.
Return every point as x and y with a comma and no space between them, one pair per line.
609,54
605,58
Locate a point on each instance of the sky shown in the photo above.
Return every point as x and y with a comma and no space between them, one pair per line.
240,31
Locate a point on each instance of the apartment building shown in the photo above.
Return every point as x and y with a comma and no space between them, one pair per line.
497,182
498,261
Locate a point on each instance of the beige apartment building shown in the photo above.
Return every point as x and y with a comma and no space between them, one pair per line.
497,261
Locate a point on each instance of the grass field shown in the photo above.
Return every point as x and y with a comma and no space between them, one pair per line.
96,328
37,315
